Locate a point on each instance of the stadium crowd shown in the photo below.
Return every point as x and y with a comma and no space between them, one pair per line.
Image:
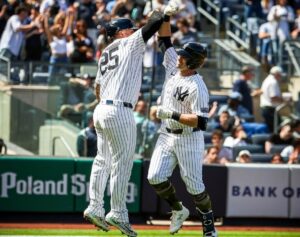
61,31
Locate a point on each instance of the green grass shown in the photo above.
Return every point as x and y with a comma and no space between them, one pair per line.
143,233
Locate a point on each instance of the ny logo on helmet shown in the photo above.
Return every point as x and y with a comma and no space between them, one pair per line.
179,94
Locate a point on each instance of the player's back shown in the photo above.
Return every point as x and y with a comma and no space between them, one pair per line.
120,69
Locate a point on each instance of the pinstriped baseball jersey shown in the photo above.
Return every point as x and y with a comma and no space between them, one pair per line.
188,95
185,95
120,69
119,76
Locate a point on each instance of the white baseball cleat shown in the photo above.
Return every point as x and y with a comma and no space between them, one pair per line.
96,220
177,219
211,234
124,227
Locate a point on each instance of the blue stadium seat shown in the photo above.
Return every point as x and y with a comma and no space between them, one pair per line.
251,148
277,148
261,158
207,137
221,99
260,139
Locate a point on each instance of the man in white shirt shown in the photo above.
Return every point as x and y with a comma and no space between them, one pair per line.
13,35
270,96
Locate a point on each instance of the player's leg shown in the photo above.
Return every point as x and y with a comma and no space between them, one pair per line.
204,208
95,212
161,167
121,141
190,153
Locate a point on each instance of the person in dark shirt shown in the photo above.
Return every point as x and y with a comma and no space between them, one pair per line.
86,11
83,44
283,137
241,85
225,122
87,140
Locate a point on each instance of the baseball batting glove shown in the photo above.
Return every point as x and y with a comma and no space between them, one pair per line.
163,113
171,9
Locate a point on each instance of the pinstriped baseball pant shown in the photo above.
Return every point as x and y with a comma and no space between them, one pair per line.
185,150
116,131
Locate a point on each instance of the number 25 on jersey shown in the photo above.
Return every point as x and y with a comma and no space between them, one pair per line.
109,60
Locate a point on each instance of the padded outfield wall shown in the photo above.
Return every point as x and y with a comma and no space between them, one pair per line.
60,184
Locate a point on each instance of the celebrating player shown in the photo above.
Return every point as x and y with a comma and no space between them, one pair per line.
118,84
184,111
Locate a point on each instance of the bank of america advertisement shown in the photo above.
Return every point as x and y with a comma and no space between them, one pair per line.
295,191
262,190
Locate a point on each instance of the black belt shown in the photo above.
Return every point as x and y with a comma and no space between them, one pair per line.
180,130
125,104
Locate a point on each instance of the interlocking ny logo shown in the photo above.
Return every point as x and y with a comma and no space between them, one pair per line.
179,95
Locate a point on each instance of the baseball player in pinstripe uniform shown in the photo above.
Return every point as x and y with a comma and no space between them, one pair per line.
184,112
118,84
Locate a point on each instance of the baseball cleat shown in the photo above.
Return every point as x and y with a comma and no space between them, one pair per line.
124,227
211,234
177,219
99,222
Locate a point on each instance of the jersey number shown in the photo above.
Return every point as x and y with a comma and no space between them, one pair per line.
110,60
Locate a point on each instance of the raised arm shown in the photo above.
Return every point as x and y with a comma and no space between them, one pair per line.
47,30
157,19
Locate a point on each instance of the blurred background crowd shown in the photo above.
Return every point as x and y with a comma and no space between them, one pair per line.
60,33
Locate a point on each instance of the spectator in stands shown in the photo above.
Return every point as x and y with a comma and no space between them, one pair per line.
86,10
270,96
296,129
244,157
13,35
56,36
277,159
292,150
153,57
281,15
184,34
123,8
87,140
140,115
211,156
187,9
83,49
78,98
234,106
252,8
3,16
238,137
266,6
150,134
242,86
225,122
224,153
154,4
283,137
33,36
56,5
296,29
101,16
267,34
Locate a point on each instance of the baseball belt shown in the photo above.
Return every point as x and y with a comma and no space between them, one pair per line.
180,130
114,102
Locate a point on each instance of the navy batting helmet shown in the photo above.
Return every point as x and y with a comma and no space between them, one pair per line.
195,54
119,24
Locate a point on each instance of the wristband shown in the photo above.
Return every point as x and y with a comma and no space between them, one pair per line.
166,18
176,116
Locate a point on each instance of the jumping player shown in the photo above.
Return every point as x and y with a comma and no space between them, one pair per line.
118,84
184,111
